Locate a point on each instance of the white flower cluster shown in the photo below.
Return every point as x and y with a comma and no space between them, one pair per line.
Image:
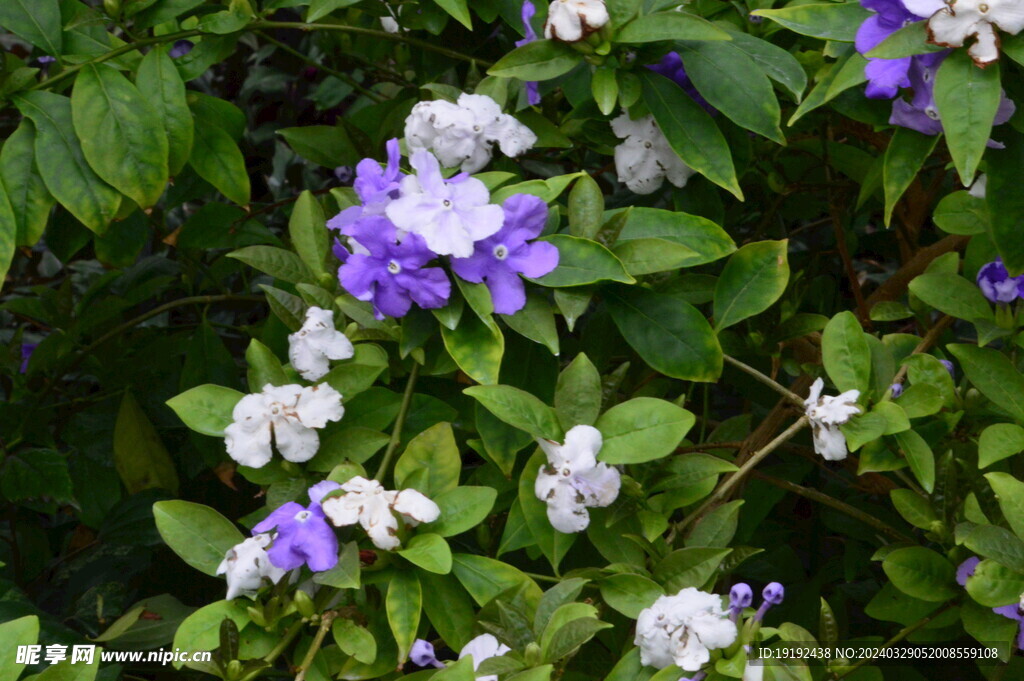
573,480
683,629
826,414
367,503
951,24
464,133
645,158
247,565
290,413
311,347
573,20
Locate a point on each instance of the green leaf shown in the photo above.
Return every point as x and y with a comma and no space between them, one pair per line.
518,408
206,409
318,9
997,543
462,509
604,86
23,631
646,256
354,640
325,145
198,534
458,10
730,80
33,473
459,670
345,574
845,353
238,14
8,232
914,508
671,335
308,233
754,278
829,21
140,457
908,41
629,594
65,670
953,295
920,457
1005,203
688,567
586,205
477,347
537,60
999,441
921,573
122,136
920,400
580,262
357,374
994,375
565,641
431,462
674,25
263,367
217,159
160,84
642,429
967,99
356,444
404,604
994,585
578,393
690,130
717,528
430,552
704,238
904,158
536,321
277,262
484,578
774,61
37,21
61,161
961,213
26,191
201,629
1010,493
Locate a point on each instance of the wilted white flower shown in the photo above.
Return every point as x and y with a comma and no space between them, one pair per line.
977,189
826,414
573,20
246,565
367,502
953,23
464,133
484,647
682,629
645,158
573,480
290,413
310,348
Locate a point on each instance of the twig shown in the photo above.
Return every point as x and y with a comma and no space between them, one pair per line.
926,343
396,432
326,620
903,633
751,371
377,97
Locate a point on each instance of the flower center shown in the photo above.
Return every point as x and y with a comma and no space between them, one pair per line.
566,472
500,252
476,128
447,203
394,267
647,144
932,113
302,516
982,8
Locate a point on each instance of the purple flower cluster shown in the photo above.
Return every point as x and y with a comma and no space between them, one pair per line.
671,66
997,285
886,77
403,223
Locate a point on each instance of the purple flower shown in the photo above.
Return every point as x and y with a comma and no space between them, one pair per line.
949,367
26,354
885,76
422,654
966,569
671,66
303,534
376,187
449,214
740,597
996,283
897,390
499,259
773,595
180,49
529,35
392,274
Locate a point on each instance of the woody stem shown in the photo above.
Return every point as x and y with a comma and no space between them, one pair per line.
396,432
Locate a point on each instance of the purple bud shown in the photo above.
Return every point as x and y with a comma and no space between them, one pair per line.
754,18
46,59
897,390
345,174
966,570
180,49
996,283
26,353
740,596
949,367
774,593
422,654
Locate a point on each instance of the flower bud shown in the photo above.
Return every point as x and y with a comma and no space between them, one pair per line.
422,654
774,593
740,596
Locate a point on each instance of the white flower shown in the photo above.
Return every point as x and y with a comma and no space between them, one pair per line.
310,348
572,20
951,24
682,629
645,158
484,647
367,502
463,134
245,566
977,189
291,413
573,480
826,414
